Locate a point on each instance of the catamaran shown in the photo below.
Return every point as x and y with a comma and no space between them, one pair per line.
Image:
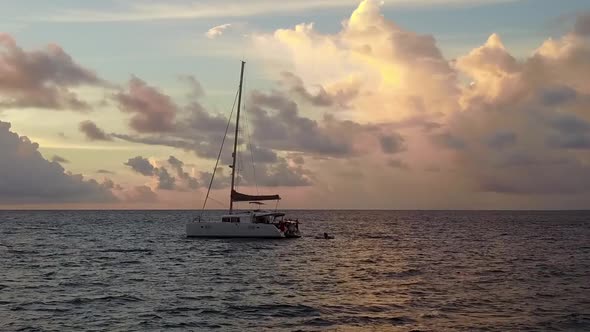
255,223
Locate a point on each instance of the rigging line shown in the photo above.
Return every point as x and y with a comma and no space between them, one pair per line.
239,163
218,156
218,202
246,120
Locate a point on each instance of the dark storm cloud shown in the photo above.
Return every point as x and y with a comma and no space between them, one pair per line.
93,132
26,177
41,78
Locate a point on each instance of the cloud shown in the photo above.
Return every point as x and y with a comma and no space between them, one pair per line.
373,68
152,111
26,177
276,121
278,174
392,143
195,86
139,194
262,155
398,164
93,132
58,159
485,118
448,140
164,180
141,165
569,132
217,31
177,165
501,140
174,10
489,129
104,171
337,94
41,78
278,124
530,114
582,25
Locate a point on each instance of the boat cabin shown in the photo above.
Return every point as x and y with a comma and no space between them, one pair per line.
259,217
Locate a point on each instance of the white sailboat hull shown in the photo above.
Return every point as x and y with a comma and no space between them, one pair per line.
232,230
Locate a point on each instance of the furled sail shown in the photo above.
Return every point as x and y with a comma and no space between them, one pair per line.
239,197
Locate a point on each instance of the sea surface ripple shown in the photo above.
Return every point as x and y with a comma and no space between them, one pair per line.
384,271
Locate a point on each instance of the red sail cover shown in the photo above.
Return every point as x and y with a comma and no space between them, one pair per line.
239,197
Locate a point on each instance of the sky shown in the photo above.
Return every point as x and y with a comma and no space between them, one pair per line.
399,104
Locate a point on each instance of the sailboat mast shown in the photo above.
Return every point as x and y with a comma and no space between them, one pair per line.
233,165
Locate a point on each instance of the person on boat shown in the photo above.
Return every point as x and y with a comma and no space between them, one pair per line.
326,236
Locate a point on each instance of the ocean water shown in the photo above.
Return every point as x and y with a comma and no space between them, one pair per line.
384,271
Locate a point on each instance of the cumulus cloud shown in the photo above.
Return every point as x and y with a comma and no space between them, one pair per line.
395,66
217,31
281,173
139,194
513,114
163,178
178,166
26,177
278,124
41,78
152,110
530,115
141,165
336,94
487,126
93,132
